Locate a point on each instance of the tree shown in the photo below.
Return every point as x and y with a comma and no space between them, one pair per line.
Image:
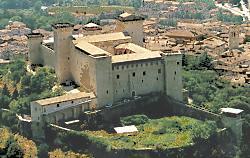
4,101
65,17
203,131
21,105
205,61
43,150
37,6
13,149
5,90
184,60
16,18
15,94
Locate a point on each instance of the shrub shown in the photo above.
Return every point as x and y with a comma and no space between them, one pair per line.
134,120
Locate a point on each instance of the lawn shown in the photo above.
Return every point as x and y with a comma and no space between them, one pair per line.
168,132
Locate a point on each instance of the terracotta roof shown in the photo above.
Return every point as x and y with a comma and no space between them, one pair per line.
133,47
90,49
64,98
213,42
181,34
135,57
104,37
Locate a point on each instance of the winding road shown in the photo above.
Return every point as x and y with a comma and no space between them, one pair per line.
235,10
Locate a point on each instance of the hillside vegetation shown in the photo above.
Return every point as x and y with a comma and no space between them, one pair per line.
58,153
91,9
164,133
16,146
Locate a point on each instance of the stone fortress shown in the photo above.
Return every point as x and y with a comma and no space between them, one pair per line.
109,68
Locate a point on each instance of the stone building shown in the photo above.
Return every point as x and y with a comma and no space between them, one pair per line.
234,35
53,110
112,67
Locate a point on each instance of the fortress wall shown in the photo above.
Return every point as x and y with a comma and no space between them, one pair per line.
149,77
202,148
181,109
48,55
104,82
83,69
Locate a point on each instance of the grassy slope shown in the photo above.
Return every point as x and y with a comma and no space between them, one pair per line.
168,132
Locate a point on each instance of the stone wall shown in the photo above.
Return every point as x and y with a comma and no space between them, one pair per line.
181,109
138,77
142,105
48,56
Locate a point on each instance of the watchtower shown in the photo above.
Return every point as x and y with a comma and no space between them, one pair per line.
133,25
34,44
234,35
173,77
62,47
231,118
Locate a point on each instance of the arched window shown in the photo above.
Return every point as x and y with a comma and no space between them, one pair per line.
133,93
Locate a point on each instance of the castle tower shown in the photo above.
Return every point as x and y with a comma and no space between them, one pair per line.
234,35
133,25
173,77
62,48
104,82
231,118
34,43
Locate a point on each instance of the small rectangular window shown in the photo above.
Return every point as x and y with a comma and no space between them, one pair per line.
117,76
159,71
133,74
144,73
